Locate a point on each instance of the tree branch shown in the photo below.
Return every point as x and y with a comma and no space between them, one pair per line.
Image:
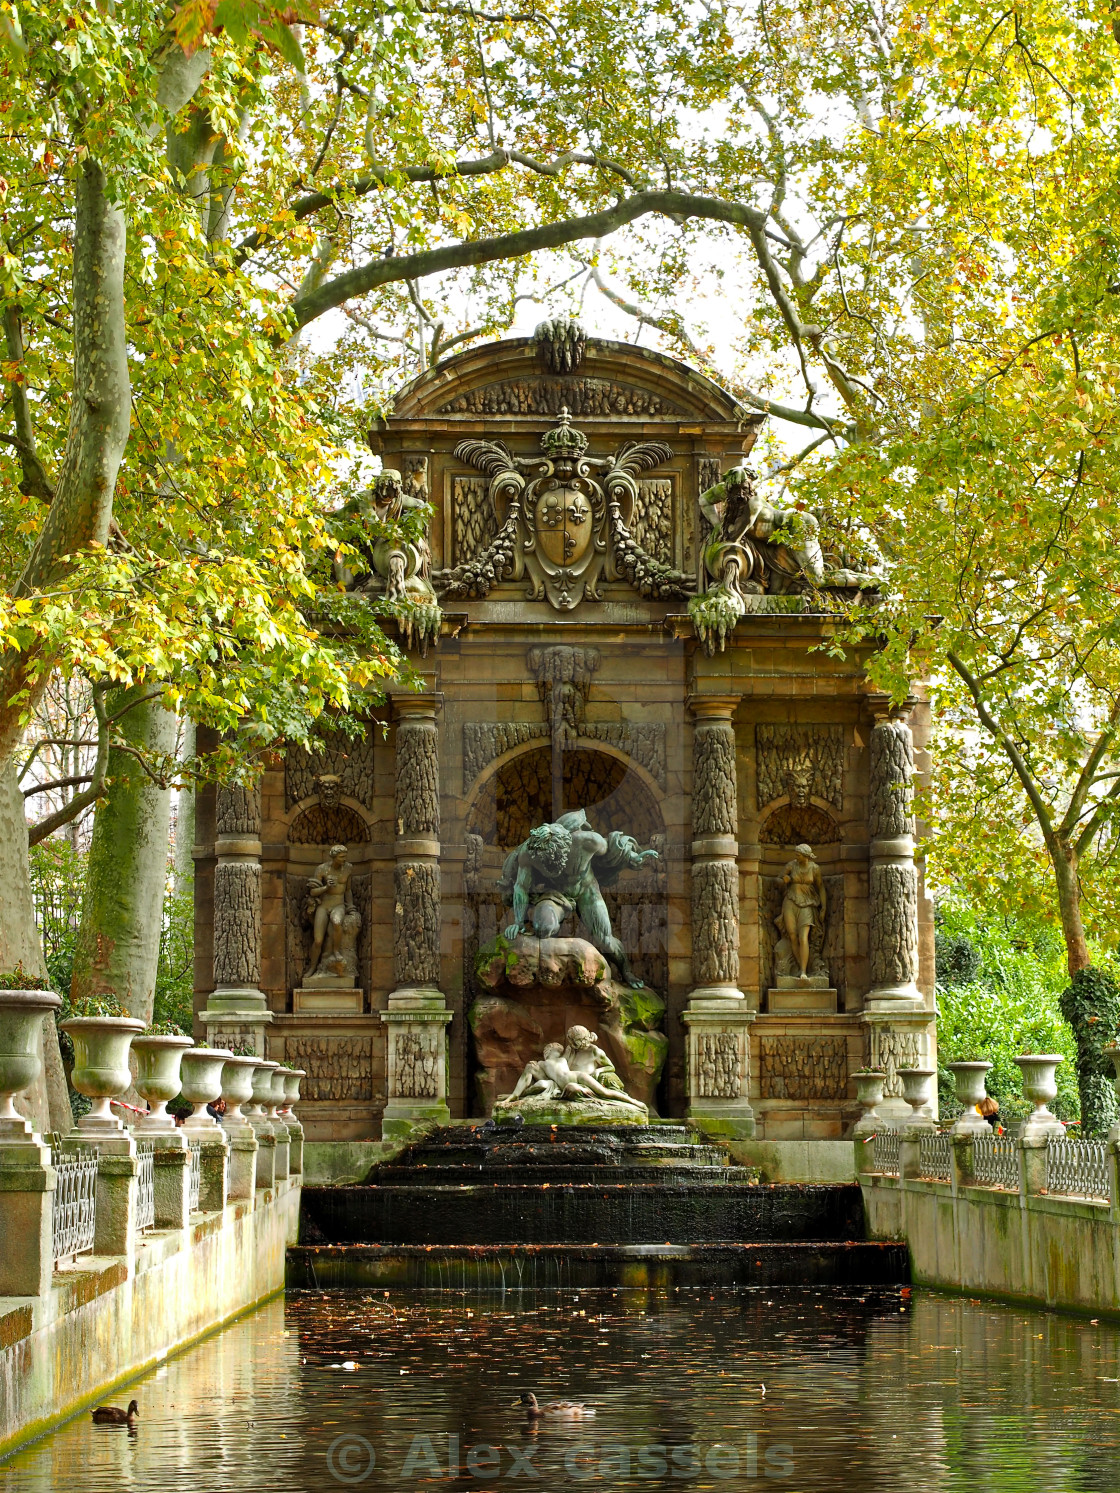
1018,762
36,483
81,801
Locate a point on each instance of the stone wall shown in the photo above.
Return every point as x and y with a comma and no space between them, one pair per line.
1023,1245
104,1321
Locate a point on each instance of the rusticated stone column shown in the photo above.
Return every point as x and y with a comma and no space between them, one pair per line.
717,1017
893,887
895,1011
238,1007
417,1014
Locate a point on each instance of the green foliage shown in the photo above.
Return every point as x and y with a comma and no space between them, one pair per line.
164,1029
1010,1006
103,1004
241,1049
174,993
18,979
57,877
1091,1005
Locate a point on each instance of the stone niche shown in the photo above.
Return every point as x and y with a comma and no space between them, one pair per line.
535,989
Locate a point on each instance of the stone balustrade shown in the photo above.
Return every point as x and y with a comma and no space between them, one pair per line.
1034,1218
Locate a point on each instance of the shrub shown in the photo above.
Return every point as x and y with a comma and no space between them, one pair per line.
1011,1006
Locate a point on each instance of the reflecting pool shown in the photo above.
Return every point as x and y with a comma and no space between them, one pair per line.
797,1390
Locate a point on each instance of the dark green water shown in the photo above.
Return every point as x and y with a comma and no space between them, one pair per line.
891,1392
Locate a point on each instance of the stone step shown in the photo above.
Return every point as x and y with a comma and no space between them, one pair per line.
540,1172
578,1213
653,1267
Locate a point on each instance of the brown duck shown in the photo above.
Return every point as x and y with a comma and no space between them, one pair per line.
554,1409
112,1415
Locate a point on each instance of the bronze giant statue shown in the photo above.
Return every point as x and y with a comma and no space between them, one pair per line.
562,868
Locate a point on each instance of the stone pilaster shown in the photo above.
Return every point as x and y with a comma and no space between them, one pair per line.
238,1004
27,1185
171,1180
899,1025
417,1014
717,1018
893,876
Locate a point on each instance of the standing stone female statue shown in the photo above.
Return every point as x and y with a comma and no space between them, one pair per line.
804,906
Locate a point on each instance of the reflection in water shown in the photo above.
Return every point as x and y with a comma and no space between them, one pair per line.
802,1390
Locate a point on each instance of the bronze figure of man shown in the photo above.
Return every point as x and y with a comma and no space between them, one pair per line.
560,869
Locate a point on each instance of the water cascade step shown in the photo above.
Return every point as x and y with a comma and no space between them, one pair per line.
477,1206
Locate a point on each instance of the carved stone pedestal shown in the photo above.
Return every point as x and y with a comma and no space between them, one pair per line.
807,997
417,1020
327,998
719,1064
898,1039
27,1182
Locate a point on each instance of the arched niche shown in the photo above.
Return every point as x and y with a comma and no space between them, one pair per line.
517,796
320,824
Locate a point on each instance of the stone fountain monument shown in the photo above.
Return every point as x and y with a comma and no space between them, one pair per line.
619,642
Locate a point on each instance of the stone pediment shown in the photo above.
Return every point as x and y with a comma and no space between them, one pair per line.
607,380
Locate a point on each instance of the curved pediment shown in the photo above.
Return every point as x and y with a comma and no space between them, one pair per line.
610,380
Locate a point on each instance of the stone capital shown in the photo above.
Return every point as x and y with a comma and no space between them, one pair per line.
417,707
718,708
883,709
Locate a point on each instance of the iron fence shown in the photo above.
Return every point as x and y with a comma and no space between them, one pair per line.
995,1160
886,1151
146,1187
935,1156
194,1151
1077,1168
75,1203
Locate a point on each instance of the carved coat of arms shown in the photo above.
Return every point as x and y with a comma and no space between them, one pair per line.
565,521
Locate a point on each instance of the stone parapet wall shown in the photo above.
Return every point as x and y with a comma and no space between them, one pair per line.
108,1319
1022,1245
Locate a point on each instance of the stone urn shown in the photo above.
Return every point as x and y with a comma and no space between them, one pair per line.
292,1077
1113,1053
1039,1085
158,1059
917,1091
21,1020
869,1091
969,1079
202,1083
101,1070
276,1094
237,1089
257,1113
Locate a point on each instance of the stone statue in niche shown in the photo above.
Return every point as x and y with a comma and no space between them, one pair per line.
756,547
336,923
394,544
804,910
578,1074
562,868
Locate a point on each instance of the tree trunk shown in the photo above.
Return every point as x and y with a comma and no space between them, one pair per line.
122,907
46,1103
185,816
100,410
1064,859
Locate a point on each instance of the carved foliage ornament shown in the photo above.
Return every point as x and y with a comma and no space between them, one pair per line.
566,525
800,763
